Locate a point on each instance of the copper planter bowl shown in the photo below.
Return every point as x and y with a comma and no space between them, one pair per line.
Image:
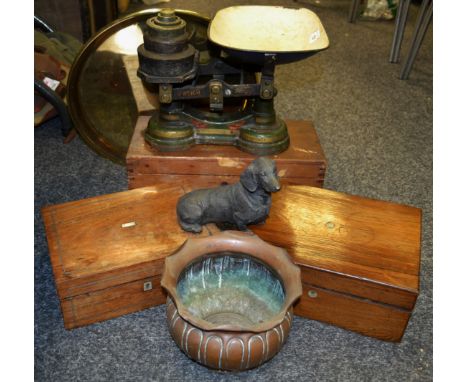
230,299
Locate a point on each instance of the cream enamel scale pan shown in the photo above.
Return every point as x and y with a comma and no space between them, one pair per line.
254,33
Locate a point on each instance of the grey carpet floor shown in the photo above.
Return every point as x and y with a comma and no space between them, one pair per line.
376,132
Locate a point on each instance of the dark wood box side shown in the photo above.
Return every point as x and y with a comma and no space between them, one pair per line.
53,244
360,288
376,320
68,288
204,181
92,307
348,312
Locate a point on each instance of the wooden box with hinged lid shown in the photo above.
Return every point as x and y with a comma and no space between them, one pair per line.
359,258
107,252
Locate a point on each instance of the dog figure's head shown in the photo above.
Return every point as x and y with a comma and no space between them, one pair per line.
261,173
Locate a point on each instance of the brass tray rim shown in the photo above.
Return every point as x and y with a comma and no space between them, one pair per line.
80,120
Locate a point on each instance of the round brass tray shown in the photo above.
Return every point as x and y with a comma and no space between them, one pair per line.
99,95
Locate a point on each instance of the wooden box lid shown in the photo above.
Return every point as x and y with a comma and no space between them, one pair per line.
109,240
349,244
303,159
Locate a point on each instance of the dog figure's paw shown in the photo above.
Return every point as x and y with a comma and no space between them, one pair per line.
195,228
243,227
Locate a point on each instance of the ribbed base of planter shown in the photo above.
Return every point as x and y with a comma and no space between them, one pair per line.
226,350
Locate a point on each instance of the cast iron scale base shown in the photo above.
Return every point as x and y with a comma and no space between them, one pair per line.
210,95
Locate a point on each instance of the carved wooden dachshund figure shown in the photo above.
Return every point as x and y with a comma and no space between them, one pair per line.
242,203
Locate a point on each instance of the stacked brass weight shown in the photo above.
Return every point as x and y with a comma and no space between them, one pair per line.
166,54
166,58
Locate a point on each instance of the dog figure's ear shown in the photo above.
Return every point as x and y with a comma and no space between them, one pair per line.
249,179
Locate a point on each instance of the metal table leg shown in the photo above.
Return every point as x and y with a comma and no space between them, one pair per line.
353,11
424,18
400,24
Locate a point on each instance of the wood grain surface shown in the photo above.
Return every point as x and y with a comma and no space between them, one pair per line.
111,302
347,243
348,312
302,163
109,240
361,255
205,181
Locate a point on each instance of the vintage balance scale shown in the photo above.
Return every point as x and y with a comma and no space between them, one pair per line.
223,93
